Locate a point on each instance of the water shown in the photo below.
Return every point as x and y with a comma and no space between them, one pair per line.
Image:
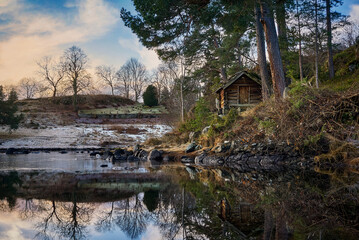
172,201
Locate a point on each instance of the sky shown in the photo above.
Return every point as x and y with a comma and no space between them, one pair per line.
32,29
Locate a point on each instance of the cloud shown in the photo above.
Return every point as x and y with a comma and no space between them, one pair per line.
148,57
354,13
27,36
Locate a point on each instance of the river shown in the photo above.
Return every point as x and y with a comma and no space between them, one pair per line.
75,196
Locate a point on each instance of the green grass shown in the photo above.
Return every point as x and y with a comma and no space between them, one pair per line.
133,109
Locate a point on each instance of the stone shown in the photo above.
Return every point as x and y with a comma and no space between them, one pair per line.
205,130
193,136
155,155
224,147
185,159
199,159
10,151
191,147
136,147
286,93
119,158
119,152
132,158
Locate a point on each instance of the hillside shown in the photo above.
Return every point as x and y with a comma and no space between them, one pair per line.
59,110
320,122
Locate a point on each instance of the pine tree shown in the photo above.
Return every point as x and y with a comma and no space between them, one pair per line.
150,96
8,110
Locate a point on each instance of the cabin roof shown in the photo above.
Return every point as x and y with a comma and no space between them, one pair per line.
236,76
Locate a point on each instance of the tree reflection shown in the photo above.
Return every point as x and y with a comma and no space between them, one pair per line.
282,205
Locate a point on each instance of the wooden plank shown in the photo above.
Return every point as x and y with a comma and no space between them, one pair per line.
244,95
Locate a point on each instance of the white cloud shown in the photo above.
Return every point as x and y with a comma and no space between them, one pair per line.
148,57
30,36
354,13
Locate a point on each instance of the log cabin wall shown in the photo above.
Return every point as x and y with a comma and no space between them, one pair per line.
243,91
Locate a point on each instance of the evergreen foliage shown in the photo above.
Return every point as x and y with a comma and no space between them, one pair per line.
150,96
8,110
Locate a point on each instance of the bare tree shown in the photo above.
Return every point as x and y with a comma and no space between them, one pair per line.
75,62
52,73
108,75
125,81
136,74
29,87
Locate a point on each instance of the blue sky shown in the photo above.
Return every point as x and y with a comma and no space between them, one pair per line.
32,29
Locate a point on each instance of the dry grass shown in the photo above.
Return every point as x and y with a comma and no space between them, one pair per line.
126,130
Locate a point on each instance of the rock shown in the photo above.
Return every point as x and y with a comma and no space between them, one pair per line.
118,158
198,147
286,93
191,171
10,151
136,147
205,130
185,159
107,154
142,154
191,147
154,155
193,136
212,161
222,148
119,152
92,153
132,158
199,159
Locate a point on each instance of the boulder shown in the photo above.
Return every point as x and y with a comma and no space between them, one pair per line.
205,130
185,159
191,147
136,147
199,159
224,147
155,155
193,136
119,152
132,158
10,151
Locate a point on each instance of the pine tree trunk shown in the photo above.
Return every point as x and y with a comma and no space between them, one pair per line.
273,51
268,224
282,26
223,70
316,46
330,47
300,44
262,55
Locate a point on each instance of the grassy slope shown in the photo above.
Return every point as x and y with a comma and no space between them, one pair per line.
320,122
132,109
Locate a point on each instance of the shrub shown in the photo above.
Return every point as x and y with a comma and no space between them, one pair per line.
150,96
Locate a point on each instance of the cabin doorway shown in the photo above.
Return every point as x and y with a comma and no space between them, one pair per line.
243,95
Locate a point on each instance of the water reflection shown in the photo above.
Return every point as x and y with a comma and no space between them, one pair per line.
195,203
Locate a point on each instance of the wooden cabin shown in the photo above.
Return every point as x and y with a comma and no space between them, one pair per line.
243,90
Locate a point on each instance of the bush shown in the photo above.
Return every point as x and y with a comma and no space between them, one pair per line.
201,118
150,96
8,110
